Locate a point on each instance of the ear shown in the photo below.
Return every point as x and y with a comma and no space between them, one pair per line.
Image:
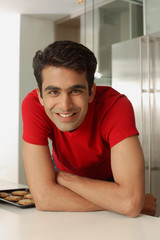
93,93
39,96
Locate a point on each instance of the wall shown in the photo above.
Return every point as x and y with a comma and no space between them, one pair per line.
35,33
9,96
68,29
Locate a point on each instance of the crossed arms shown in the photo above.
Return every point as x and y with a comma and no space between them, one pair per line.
67,192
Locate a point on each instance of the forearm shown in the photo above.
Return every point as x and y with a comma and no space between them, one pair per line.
107,195
41,178
59,198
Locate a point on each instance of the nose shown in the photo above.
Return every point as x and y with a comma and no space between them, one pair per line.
65,102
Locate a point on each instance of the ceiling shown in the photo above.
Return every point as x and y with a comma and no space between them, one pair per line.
40,6
55,9
50,9
47,6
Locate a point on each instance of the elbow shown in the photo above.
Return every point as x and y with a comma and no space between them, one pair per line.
46,199
132,212
40,206
40,203
134,206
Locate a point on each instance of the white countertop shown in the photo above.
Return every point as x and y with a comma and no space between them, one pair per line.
29,223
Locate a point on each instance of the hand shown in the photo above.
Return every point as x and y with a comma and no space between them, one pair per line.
149,207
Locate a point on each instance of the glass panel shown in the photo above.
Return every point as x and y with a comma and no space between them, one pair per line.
103,23
136,20
145,69
152,16
155,61
86,25
146,128
114,22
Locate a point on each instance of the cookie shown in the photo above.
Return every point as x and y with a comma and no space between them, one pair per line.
19,193
4,194
25,201
28,196
13,198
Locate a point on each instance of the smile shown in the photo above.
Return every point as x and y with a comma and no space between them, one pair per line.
65,115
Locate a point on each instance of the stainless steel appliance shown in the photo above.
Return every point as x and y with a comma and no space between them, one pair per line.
136,73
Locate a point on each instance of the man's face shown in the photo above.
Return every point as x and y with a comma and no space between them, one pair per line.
65,96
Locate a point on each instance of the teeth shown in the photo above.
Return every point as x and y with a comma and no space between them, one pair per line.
65,115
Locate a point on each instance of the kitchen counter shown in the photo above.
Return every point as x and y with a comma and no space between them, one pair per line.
29,223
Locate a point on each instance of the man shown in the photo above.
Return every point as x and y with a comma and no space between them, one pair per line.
95,141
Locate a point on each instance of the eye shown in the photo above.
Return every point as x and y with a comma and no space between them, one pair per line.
76,91
53,92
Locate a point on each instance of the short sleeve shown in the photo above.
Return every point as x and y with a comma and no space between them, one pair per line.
119,122
36,124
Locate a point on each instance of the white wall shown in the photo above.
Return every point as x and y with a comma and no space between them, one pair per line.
9,95
35,33
21,37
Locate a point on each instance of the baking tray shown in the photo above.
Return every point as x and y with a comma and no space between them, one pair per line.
16,203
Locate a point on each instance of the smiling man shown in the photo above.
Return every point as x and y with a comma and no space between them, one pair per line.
95,142
66,98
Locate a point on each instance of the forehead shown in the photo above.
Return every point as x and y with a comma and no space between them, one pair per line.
62,76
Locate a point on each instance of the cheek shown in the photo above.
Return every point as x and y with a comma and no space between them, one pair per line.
84,106
49,103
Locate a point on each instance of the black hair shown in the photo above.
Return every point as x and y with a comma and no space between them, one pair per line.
67,54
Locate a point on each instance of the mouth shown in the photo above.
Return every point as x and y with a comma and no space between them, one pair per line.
66,116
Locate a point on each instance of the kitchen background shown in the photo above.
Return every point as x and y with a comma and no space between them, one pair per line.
123,34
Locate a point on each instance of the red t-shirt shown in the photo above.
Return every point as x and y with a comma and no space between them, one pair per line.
85,151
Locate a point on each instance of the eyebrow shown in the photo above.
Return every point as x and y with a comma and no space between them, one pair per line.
78,86
51,88
72,87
